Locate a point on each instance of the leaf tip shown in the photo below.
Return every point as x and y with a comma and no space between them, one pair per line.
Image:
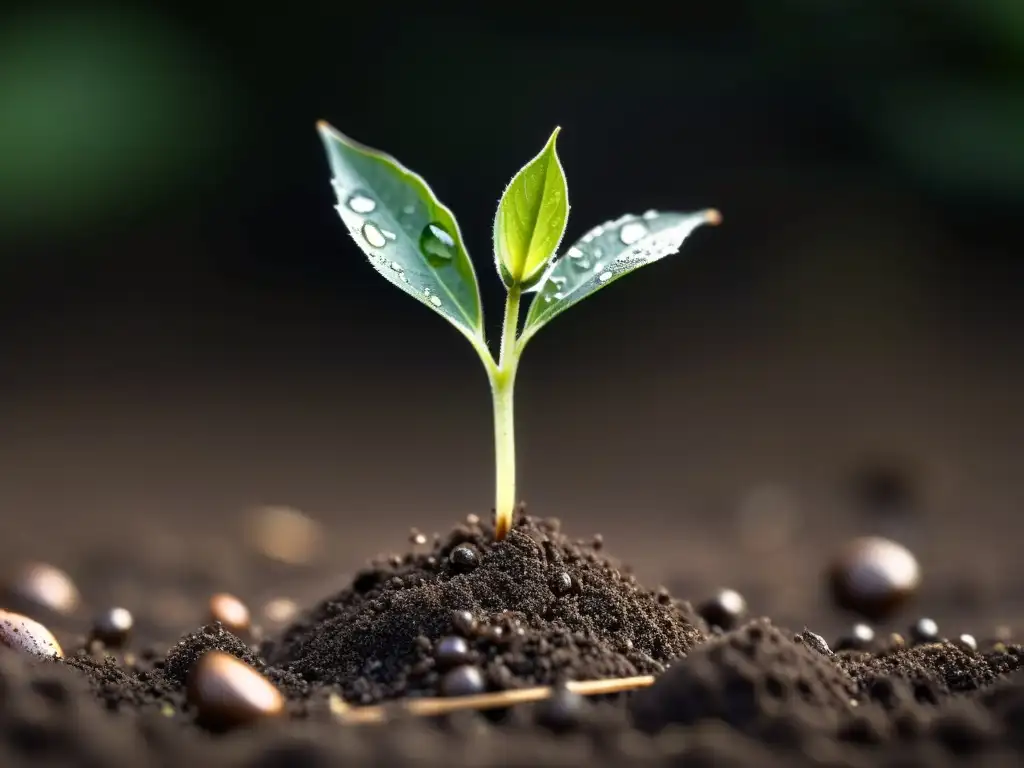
554,137
712,217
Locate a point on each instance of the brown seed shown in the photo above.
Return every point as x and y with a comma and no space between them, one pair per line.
874,577
20,633
41,585
231,612
228,693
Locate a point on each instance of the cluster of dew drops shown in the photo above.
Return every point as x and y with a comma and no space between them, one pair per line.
435,242
439,248
631,230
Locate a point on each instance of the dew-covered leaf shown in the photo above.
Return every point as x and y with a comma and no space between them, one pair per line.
531,218
606,253
408,235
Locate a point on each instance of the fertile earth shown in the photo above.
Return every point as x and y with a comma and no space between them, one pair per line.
461,616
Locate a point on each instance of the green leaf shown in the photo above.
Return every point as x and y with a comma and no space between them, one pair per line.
531,218
409,236
606,253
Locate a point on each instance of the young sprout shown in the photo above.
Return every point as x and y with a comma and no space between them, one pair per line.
413,240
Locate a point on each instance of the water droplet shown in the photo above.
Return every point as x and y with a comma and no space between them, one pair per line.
558,295
437,245
389,235
434,300
361,203
373,235
409,210
632,232
604,277
578,258
558,280
649,215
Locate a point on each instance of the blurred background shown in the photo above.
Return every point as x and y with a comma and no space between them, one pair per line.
188,332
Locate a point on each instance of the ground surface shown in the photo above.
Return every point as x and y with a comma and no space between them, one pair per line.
546,608
723,461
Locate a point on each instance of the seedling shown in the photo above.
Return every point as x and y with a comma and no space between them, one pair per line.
413,240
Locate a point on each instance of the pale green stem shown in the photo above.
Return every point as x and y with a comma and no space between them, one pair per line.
503,380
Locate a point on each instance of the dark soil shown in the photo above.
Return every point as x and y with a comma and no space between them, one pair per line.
542,608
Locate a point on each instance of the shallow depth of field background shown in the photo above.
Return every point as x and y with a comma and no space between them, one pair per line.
187,331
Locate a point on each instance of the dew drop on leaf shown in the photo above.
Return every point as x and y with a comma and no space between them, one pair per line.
433,298
361,203
649,215
632,232
604,277
578,258
373,235
437,245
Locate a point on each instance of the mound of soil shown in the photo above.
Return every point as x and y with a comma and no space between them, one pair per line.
537,608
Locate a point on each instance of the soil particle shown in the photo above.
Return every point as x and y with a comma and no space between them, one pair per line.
377,638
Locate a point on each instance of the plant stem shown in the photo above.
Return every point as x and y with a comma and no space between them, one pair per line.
503,381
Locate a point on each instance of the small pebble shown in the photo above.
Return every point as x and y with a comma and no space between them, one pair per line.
464,558
874,577
228,693
41,585
725,610
113,627
924,631
284,534
860,638
20,633
231,612
562,584
451,651
464,622
967,643
462,681
280,610
561,712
